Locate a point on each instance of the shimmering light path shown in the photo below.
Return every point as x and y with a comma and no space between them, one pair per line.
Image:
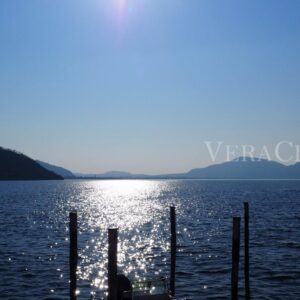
133,207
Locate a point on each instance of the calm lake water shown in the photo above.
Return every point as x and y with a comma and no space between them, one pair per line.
34,235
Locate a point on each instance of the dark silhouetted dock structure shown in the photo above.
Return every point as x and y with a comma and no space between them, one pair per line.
114,279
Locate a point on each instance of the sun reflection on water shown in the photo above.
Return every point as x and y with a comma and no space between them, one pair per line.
135,208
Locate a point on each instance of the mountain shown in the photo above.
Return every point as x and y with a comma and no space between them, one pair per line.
57,170
239,168
246,168
116,174
17,166
294,170
113,175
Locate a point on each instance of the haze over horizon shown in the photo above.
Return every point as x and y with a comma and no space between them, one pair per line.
138,86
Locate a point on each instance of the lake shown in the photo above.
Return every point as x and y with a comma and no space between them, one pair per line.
34,235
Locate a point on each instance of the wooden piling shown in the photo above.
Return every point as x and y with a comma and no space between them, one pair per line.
73,254
246,248
112,263
235,257
173,250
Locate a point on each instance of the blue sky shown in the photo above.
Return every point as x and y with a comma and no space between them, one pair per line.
139,85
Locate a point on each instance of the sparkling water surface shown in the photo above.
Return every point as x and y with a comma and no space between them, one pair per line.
34,235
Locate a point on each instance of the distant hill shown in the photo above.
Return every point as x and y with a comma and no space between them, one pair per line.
247,168
294,170
17,166
239,168
116,174
57,170
112,175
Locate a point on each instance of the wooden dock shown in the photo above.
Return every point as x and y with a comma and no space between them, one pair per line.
120,287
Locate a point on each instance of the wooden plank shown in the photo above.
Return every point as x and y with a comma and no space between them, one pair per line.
173,250
235,257
112,264
246,247
73,258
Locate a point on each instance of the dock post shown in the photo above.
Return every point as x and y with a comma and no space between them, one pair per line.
173,250
235,257
73,254
246,245
112,263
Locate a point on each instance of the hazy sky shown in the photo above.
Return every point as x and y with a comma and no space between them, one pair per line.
139,85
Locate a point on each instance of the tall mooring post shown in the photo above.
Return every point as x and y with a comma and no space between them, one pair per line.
173,250
73,254
112,264
246,245
235,257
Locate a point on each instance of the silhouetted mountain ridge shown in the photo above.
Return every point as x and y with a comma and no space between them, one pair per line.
57,170
245,168
238,168
17,166
113,175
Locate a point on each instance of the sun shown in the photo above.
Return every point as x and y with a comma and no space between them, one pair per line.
127,7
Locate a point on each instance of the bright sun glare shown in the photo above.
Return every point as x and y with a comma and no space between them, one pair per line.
126,8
